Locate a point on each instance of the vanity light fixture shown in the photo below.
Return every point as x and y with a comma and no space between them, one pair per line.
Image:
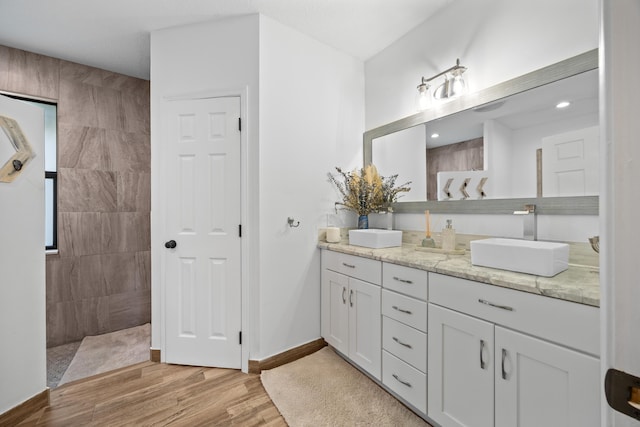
563,104
453,85
435,135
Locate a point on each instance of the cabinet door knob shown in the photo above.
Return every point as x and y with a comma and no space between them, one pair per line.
404,344
503,307
344,299
504,356
401,310
351,298
482,364
408,384
171,244
409,282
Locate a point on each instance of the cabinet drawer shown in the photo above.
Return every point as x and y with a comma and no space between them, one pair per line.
365,269
406,280
567,323
405,342
409,311
406,381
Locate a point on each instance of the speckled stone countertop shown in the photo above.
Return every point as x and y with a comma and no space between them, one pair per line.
579,283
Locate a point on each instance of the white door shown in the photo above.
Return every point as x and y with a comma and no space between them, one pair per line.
570,163
203,269
335,310
532,374
460,369
365,340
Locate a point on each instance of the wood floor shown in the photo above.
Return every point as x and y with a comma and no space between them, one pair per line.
159,394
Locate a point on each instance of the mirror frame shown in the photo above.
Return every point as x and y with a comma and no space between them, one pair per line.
578,205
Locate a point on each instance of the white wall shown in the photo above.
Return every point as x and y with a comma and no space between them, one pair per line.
620,200
311,119
497,40
305,115
214,57
22,275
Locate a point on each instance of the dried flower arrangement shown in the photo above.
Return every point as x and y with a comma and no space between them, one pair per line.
364,191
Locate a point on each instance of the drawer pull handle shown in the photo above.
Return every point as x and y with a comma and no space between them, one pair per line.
504,356
348,265
503,307
402,343
482,364
400,381
344,299
410,282
351,298
395,307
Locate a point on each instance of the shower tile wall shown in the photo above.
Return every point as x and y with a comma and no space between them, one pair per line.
100,280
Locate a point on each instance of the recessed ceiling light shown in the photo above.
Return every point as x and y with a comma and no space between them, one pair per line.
563,104
435,135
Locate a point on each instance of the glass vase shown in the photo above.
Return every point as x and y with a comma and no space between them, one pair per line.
363,222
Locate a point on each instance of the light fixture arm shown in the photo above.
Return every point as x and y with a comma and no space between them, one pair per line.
448,70
453,86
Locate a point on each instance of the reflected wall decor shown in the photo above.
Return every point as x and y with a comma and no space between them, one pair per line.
13,138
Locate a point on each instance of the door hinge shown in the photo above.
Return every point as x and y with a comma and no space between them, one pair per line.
240,124
239,230
240,337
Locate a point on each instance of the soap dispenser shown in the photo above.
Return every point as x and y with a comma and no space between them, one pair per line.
448,237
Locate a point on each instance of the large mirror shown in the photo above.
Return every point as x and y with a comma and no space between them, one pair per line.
495,150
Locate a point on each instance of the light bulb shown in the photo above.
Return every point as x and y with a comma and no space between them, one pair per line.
457,85
423,101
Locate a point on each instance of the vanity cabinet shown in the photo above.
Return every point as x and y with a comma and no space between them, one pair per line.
499,357
404,333
460,352
350,299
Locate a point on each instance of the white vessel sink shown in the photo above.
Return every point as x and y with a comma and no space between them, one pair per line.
374,238
524,256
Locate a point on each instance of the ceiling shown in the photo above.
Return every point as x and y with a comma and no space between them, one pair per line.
114,34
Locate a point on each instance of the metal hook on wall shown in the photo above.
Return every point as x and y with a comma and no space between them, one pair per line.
292,222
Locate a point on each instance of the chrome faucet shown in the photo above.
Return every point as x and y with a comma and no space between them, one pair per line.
529,222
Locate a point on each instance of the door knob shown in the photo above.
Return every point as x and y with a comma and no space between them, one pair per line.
170,244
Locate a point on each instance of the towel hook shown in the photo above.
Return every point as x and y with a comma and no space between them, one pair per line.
292,222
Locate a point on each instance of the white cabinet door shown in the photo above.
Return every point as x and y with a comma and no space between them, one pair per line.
460,369
335,310
365,341
542,384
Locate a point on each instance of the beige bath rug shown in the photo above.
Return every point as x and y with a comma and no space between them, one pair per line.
103,353
322,389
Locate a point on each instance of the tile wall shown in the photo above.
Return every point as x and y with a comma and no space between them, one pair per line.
100,280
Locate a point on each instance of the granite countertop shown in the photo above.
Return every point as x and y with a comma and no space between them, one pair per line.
579,283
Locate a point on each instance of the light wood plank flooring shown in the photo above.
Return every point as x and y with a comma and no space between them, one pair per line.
159,394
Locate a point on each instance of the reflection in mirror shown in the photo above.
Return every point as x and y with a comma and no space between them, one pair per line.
410,165
521,146
7,147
